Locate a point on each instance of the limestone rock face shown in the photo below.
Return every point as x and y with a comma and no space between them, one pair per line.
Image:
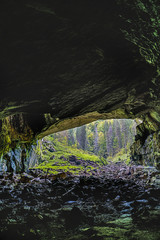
67,63
147,152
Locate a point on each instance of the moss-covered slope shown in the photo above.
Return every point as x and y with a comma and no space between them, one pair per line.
55,157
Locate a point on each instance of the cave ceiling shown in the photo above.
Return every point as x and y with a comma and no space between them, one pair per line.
67,63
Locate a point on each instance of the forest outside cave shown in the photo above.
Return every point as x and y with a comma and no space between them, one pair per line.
101,142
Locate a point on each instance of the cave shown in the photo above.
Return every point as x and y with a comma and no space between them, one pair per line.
64,64
60,70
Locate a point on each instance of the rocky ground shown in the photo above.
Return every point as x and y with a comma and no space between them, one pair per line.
119,202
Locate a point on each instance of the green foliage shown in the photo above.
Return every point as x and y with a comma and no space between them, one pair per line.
58,161
125,157
95,143
102,138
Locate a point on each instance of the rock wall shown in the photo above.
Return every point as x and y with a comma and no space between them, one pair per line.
16,139
146,148
15,160
147,153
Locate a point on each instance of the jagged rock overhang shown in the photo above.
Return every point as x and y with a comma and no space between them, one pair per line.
68,59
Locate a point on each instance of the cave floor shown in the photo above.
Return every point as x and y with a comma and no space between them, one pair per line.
94,208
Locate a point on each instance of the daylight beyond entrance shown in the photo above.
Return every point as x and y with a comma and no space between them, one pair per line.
108,139
86,147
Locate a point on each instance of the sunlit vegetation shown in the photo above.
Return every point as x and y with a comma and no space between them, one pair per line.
108,139
85,148
55,158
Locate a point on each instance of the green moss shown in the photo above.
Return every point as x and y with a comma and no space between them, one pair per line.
11,137
58,161
123,157
155,116
111,232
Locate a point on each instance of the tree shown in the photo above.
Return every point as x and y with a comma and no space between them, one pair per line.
71,138
96,147
110,141
81,137
103,138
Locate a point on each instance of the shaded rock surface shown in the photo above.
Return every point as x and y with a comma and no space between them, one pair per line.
147,152
78,208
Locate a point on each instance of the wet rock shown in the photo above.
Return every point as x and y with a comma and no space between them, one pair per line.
73,218
72,158
45,152
35,172
61,175
78,163
51,149
1,175
63,158
117,198
155,174
158,166
26,178
73,204
4,182
9,176
143,176
53,157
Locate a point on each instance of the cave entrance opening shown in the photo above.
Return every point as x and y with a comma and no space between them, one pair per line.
88,150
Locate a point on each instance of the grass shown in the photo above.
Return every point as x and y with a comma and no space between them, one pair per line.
58,161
